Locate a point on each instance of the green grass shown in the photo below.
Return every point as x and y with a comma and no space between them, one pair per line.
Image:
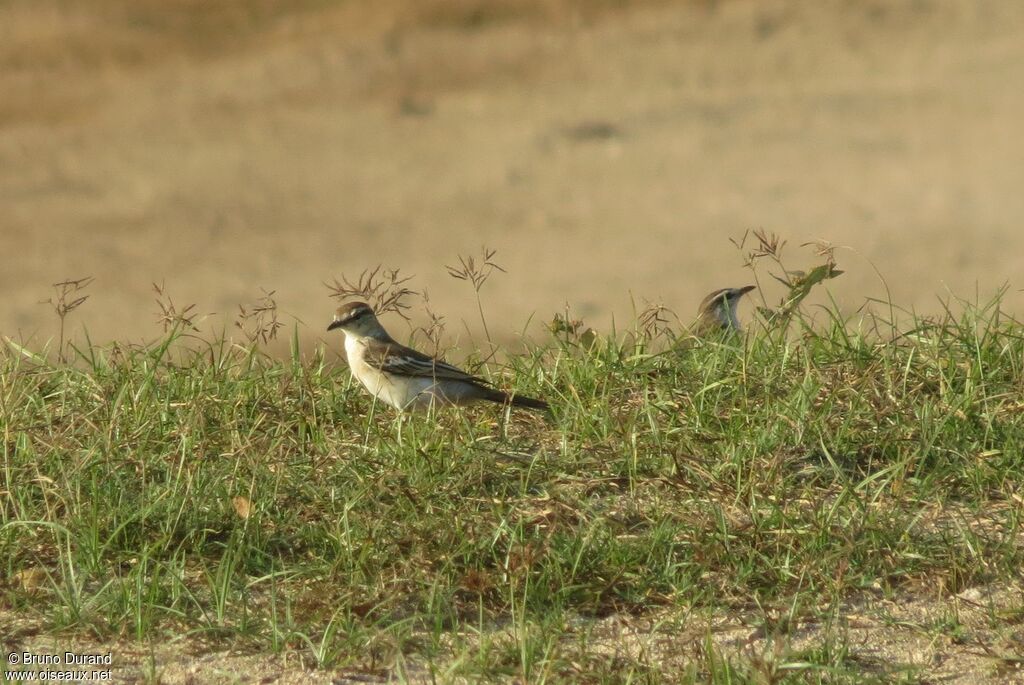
674,483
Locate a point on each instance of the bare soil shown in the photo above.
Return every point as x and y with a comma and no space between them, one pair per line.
972,637
606,150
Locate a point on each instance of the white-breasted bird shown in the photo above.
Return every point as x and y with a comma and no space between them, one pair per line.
407,379
717,311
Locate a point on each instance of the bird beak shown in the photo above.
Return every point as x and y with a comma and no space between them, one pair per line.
745,289
334,324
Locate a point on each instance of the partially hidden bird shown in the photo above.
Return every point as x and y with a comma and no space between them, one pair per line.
717,311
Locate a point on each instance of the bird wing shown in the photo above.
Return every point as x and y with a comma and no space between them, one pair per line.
405,361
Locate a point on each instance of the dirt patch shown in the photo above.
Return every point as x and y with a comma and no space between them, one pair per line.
972,637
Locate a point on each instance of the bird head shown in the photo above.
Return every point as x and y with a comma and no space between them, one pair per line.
357,318
718,309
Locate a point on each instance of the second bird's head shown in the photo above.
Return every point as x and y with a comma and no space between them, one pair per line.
356,318
718,309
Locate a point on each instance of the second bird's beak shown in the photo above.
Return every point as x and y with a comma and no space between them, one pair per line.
334,324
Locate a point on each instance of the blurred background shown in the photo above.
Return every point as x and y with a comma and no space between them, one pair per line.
608,150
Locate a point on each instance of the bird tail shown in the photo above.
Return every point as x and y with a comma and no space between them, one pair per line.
516,400
529,403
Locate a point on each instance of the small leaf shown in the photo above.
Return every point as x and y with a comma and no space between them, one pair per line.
29,579
242,506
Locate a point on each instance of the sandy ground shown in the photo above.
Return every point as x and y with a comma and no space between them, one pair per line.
607,151
965,639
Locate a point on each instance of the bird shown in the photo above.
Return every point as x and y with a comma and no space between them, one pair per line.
717,311
404,378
